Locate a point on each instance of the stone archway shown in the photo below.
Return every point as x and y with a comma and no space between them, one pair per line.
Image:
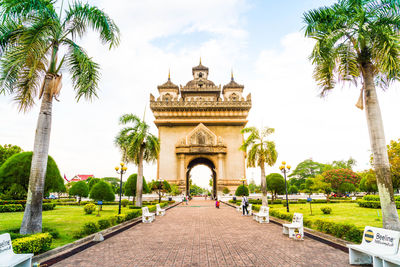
202,161
201,120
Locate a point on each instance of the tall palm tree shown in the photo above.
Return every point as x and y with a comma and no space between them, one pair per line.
137,144
358,41
36,42
260,151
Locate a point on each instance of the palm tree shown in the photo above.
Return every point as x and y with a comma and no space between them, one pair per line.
137,144
358,41
260,152
35,44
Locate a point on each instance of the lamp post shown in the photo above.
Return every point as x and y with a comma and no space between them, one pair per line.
121,172
285,169
243,180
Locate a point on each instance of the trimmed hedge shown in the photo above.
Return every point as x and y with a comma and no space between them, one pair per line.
48,206
373,204
344,231
376,198
91,228
22,202
11,208
36,244
300,201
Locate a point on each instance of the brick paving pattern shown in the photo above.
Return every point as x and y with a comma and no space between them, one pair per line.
201,235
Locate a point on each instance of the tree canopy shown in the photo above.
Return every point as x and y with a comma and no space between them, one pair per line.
275,184
15,171
242,191
130,185
79,189
7,151
102,191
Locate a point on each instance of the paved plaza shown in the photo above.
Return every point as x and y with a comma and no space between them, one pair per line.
201,235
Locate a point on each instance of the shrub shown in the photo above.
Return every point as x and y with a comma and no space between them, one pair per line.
16,170
102,191
373,204
342,230
225,190
326,210
11,208
89,208
48,206
103,224
134,207
376,198
130,186
120,218
90,228
36,244
124,202
242,190
112,220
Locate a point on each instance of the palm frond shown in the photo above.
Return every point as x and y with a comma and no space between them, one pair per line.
79,16
26,9
84,71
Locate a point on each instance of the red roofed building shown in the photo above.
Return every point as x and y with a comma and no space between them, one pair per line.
81,177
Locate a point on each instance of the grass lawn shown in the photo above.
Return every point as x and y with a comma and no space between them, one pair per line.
341,212
65,219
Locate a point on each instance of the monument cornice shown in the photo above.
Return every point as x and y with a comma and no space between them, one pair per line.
200,105
192,149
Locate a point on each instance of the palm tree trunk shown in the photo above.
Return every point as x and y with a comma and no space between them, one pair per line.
139,180
390,218
263,186
32,220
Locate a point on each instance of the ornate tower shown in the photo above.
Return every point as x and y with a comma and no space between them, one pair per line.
198,125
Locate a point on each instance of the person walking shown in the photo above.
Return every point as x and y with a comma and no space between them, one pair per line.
245,203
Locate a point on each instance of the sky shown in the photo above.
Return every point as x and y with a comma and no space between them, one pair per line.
262,41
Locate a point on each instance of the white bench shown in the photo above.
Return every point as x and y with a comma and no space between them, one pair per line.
159,210
147,217
391,261
250,209
263,215
7,256
378,246
297,224
239,208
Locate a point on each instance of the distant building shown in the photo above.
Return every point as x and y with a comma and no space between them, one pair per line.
81,177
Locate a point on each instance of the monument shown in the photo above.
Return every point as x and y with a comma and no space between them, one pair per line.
201,124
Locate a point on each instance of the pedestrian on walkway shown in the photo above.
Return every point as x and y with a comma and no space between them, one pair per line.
217,204
187,200
245,203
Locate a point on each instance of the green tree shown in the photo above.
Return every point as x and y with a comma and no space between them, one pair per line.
137,145
161,188
130,186
347,188
368,182
336,177
344,164
7,151
114,182
306,169
293,189
260,151
225,190
14,176
357,41
195,190
102,191
394,160
275,184
319,185
242,191
175,191
252,186
37,43
91,181
79,189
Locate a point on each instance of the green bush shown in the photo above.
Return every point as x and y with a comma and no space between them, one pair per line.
124,202
242,190
133,214
90,228
112,220
103,224
134,207
345,231
120,218
102,191
11,208
373,204
36,244
48,206
326,210
89,208
376,198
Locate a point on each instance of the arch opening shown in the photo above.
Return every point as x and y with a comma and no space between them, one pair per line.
205,177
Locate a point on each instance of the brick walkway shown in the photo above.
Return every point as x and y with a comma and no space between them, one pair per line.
201,235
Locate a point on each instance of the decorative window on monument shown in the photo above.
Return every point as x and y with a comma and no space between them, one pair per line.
201,139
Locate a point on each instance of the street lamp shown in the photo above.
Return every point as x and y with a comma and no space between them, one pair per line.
285,169
243,180
122,171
